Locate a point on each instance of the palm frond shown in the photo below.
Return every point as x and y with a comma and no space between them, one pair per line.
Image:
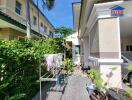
49,4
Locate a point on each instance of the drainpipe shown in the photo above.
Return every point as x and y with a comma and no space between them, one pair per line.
38,16
28,24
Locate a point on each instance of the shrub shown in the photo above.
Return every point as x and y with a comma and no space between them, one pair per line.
96,78
67,63
21,59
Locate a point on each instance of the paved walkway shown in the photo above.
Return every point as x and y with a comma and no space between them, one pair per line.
74,90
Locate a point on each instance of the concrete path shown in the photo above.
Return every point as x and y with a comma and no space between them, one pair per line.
74,90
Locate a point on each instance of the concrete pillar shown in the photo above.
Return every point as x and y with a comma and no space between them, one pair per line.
86,50
81,52
110,51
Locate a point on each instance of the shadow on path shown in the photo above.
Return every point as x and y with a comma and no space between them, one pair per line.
51,92
75,89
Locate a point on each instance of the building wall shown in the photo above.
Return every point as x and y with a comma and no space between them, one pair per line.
3,2
109,40
112,78
15,34
8,33
8,7
86,50
75,42
4,33
85,13
94,41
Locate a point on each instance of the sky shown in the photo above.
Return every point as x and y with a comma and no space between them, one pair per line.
61,14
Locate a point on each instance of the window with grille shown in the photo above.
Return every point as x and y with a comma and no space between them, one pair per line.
129,48
34,20
18,7
45,29
51,34
41,24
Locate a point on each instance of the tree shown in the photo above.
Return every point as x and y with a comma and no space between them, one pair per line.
64,31
47,3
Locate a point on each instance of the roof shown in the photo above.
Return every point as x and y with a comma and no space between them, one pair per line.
82,1
73,12
117,7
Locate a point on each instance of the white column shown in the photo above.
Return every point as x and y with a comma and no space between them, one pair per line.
86,50
110,51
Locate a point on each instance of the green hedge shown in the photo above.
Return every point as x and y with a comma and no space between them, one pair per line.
19,66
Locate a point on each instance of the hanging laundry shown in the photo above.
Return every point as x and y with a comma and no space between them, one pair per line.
53,60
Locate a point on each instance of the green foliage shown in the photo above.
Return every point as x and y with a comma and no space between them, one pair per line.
64,31
19,65
92,73
49,4
15,97
96,78
67,63
129,67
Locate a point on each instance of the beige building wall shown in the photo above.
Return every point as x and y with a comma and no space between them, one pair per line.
3,2
112,78
16,34
8,33
10,10
94,41
4,33
109,38
110,51
8,7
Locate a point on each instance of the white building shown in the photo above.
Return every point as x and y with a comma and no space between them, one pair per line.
104,38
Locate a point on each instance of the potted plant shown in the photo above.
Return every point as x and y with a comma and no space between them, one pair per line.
97,87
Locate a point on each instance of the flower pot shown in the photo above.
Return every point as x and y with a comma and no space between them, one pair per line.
98,95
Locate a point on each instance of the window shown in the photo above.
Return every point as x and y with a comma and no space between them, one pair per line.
34,20
77,49
51,34
41,24
18,7
128,47
45,29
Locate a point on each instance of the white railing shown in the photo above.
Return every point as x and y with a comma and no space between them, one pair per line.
92,61
125,58
13,15
95,62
